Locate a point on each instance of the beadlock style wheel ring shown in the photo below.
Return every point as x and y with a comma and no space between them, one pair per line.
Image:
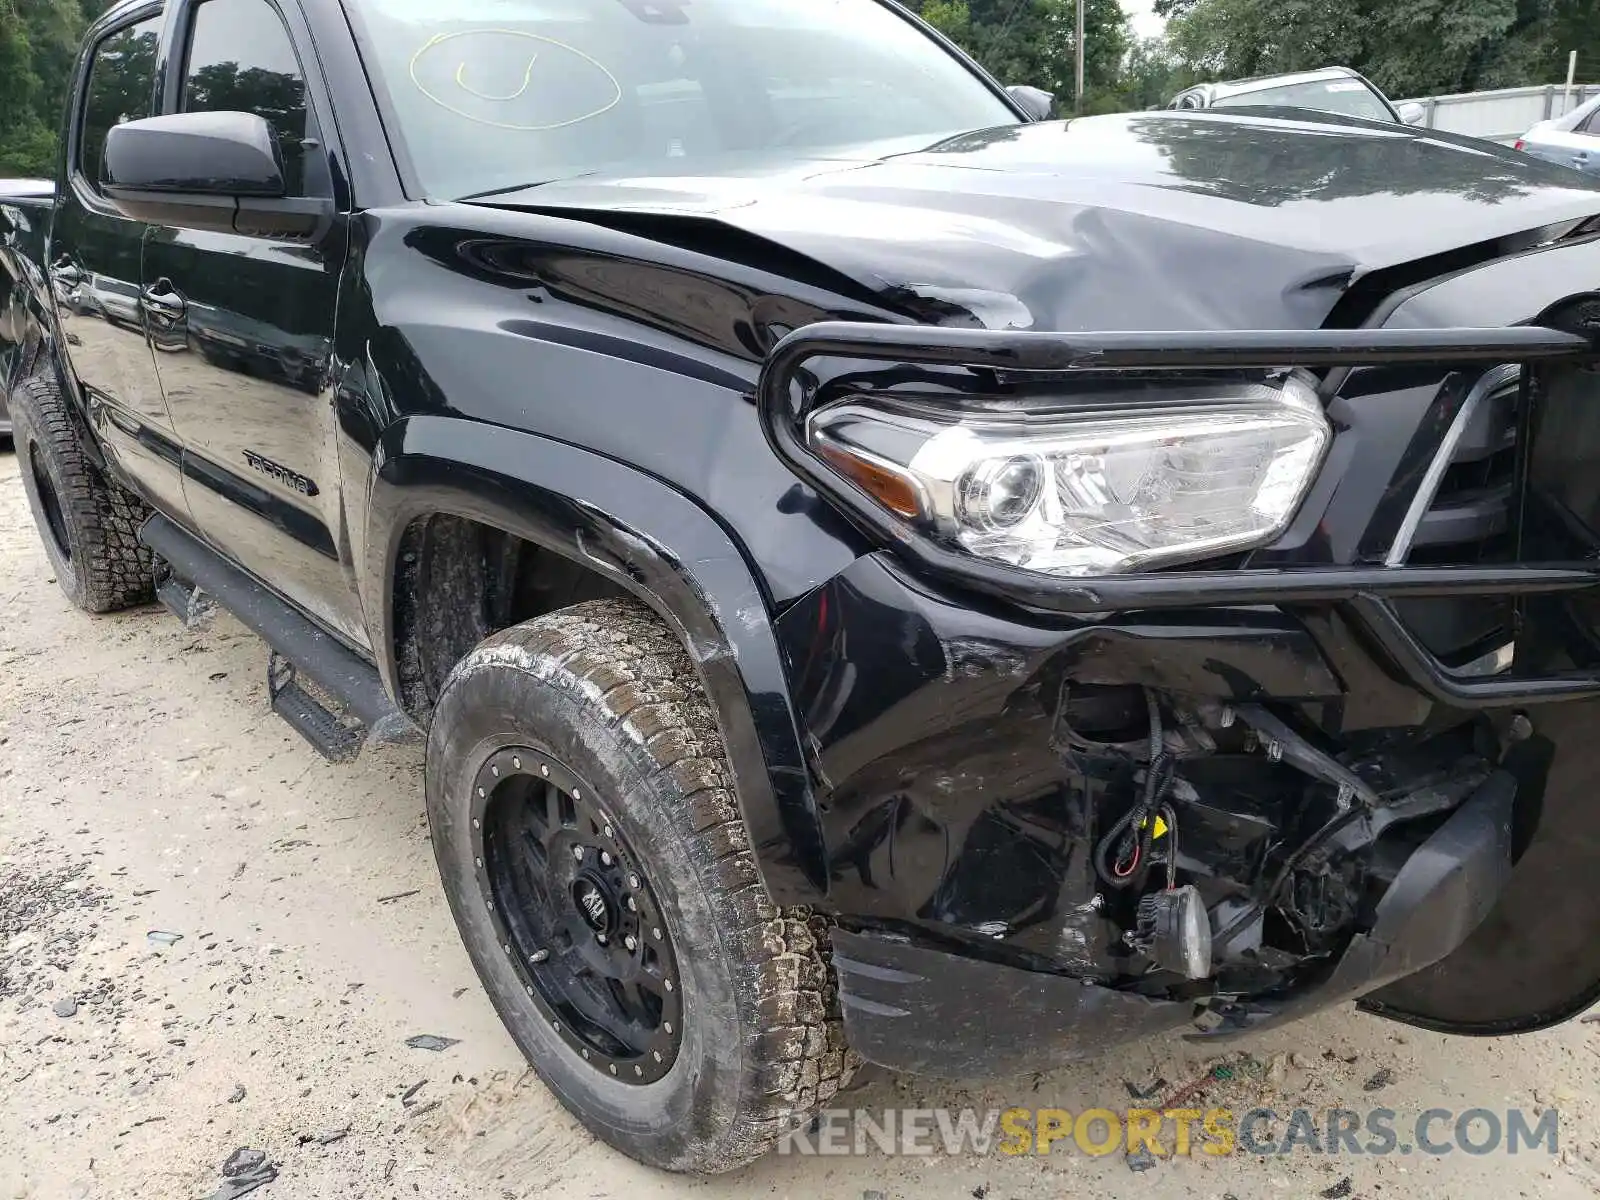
575,914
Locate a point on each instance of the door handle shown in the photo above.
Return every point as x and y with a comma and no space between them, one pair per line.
162,300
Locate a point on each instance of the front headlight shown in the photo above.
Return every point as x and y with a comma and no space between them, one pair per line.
1101,488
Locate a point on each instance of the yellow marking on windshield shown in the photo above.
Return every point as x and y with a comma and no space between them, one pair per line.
439,39
461,82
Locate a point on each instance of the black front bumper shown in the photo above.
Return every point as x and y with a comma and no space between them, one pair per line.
918,1009
958,818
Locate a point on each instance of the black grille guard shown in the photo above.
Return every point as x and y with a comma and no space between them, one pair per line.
1366,590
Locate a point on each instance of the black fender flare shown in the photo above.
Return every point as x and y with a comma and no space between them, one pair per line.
650,539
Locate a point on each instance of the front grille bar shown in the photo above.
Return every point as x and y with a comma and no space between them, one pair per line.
1428,490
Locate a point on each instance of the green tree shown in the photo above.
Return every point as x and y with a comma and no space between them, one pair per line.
1032,42
1409,48
38,45
1152,74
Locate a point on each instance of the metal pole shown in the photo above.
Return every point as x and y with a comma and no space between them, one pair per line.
1078,47
1572,69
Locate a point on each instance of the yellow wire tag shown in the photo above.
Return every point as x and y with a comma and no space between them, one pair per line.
1160,829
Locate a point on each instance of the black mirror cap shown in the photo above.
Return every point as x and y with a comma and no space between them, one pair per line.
1039,104
197,154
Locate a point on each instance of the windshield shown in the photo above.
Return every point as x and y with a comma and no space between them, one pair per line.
1349,96
490,94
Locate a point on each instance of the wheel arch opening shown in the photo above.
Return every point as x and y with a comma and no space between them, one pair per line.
459,580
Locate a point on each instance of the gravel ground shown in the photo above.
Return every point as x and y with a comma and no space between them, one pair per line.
211,939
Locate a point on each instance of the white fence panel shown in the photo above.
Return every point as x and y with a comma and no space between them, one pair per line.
1503,115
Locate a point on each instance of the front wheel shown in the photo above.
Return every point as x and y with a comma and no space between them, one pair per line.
592,850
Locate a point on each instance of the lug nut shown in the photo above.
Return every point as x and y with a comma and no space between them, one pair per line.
1274,751
601,938
495,771
544,770
630,943
613,1068
605,858
633,881
538,956
516,762
667,1025
667,983
608,832
656,933
577,853
633,905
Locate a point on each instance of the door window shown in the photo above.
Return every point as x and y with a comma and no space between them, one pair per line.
242,60
122,78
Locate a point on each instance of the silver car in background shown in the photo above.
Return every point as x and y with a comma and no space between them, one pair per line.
1572,140
1330,89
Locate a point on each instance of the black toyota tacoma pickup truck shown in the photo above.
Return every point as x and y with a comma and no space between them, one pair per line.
881,574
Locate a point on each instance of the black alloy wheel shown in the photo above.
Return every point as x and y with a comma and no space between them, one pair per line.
579,919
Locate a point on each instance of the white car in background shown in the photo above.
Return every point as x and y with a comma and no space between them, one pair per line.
1572,140
1330,89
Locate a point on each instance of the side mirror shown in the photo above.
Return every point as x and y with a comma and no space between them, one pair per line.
1411,113
219,171
1039,104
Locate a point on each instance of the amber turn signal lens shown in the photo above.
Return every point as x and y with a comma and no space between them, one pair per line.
891,489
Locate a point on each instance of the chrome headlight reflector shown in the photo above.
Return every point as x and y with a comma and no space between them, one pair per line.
1100,488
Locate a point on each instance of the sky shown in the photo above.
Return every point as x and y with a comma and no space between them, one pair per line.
1145,21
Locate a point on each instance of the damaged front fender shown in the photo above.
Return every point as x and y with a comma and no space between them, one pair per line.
654,542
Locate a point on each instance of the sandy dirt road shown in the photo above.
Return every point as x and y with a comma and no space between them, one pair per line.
145,787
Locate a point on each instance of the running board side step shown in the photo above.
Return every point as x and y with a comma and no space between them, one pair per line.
299,648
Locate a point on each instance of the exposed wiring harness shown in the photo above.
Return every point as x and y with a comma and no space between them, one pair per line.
1123,856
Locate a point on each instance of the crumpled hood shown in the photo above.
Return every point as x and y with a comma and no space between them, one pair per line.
1136,221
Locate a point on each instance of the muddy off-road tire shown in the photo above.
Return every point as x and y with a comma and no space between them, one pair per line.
582,813
89,525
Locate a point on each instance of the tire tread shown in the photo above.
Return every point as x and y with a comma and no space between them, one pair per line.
621,656
111,569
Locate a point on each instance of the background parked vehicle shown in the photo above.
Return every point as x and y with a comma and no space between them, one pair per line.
1572,140
1332,89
